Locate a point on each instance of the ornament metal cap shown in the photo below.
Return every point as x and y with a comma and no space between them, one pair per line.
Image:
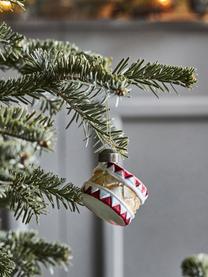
108,155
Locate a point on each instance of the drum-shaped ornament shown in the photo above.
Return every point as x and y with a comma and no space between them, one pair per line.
113,193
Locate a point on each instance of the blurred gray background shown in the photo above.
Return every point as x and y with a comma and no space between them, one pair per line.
168,151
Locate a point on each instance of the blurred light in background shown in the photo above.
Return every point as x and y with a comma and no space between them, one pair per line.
5,6
164,10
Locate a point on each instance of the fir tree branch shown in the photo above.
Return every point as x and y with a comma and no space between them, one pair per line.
24,47
16,122
8,37
23,198
38,85
9,45
74,67
77,67
15,155
7,265
94,69
28,252
46,69
47,104
9,150
195,266
30,88
93,116
30,85
155,76
55,189
27,193
54,46
79,97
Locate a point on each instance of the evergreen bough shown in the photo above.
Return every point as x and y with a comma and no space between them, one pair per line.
53,75
195,266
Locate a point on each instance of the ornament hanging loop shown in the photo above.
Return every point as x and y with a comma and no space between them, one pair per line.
108,155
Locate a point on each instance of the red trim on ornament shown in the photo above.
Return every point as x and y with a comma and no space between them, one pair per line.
96,194
108,201
126,175
117,209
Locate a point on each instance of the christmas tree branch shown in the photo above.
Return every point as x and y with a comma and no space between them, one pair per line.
79,98
54,46
32,85
9,44
95,69
7,265
146,76
45,68
48,104
15,151
16,122
26,252
8,37
93,115
155,76
27,192
74,67
195,266
29,88
23,47
40,86
15,155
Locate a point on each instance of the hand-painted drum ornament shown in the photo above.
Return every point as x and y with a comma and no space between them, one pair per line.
113,193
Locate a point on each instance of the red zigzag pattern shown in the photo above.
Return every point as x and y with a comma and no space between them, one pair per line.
108,201
126,175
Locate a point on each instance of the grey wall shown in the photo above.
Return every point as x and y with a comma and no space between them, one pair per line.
168,142
174,223
169,153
